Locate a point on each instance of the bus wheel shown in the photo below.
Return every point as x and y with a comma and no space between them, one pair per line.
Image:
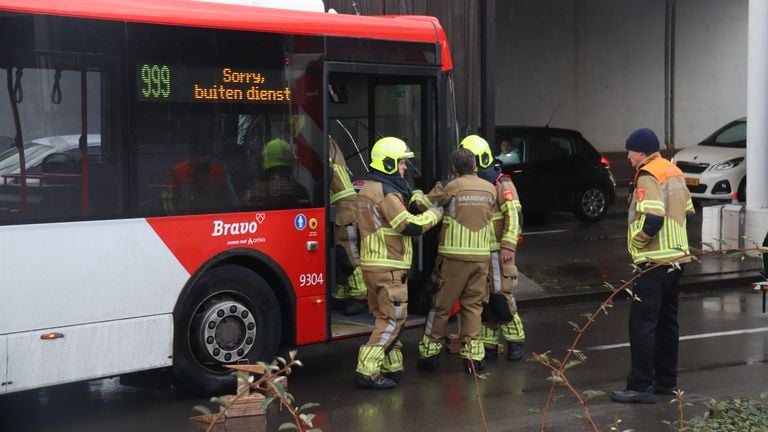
230,316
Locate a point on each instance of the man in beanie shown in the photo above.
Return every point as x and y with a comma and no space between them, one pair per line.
657,240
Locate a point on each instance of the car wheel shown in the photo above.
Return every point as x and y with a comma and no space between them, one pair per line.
591,204
741,194
230,316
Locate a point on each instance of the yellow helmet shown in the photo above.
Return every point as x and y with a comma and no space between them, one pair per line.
480,148
278,153
387,152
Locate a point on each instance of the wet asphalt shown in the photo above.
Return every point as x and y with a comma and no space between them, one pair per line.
724,353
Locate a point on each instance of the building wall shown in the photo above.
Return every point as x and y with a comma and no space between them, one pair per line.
602,63
711,67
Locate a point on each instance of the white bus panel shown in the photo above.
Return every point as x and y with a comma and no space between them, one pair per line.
87,351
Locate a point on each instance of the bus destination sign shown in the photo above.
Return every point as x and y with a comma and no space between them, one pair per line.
167,83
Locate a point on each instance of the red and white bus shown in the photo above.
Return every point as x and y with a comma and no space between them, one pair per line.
154,217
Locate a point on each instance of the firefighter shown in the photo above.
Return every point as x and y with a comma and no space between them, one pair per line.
657,241
279,189
350,286
461,268
197,184
501,314
385,255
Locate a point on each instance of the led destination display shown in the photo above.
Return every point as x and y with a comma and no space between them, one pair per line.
167,83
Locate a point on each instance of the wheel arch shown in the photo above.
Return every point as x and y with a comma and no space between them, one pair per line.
265,267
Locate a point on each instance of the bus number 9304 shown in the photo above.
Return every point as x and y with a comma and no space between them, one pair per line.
310,279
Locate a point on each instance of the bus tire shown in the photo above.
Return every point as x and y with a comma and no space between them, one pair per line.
230,316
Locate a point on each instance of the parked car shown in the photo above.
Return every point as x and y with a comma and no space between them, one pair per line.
556,170
716,167
54,154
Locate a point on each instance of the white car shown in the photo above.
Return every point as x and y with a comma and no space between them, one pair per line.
38,152
716,167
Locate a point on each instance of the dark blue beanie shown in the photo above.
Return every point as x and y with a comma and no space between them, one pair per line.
643,140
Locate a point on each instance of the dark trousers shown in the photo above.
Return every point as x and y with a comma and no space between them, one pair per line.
653,329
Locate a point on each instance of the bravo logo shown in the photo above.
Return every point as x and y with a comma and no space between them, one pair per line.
224,229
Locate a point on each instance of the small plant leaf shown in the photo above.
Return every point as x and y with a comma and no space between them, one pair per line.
286,426
202,409
555,378
309,405
220,400
278,389
307,419
591,394
575,326
572,363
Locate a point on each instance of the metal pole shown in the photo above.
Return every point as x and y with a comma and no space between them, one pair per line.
669,75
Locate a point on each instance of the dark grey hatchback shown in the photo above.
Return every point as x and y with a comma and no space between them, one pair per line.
556,170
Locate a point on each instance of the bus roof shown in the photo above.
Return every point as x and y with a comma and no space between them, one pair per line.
407,28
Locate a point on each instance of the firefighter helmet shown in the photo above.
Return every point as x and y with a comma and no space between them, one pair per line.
480,148
387,152
278,153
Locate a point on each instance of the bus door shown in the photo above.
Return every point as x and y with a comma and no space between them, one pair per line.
363,106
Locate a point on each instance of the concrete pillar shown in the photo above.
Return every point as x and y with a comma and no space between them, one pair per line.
757,121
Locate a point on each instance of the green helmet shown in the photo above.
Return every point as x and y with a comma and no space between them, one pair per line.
387,152
278,153
480,148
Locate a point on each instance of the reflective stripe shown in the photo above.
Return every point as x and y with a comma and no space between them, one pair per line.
430,320
489,336
495,272
672,243
419,197
425,219
374,250
474,350
356,284
460,240
386,335
393,361
513,331
348,190
645,205
369,360
429,348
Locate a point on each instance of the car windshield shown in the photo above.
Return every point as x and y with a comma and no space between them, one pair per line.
733,135
9,159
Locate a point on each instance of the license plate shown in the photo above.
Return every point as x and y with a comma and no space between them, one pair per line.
691,181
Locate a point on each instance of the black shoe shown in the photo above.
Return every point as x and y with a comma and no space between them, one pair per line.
378,383
515,351
631,396
394,376
429,363
355,307
470,364
662,390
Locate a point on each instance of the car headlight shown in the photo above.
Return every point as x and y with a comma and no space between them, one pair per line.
728,164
